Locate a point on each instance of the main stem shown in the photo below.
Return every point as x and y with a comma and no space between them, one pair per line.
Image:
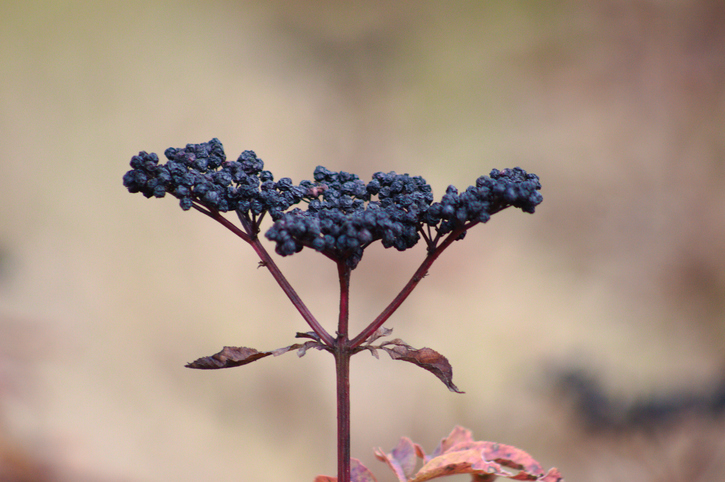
342,369
342,353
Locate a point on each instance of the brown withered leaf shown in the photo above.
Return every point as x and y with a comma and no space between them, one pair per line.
234,356
358,473
460,454
300,347
379,333
230,356
425,357
308,334
368,345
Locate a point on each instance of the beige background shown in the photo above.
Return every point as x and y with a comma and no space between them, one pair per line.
619,106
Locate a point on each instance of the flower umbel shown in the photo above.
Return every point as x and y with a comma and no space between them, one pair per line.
343,214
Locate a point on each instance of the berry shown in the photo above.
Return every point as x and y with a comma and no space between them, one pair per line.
200,173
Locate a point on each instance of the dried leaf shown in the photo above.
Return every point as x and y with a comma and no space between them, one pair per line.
368,345
379,333
358,473
233,356
300,347
460,454
230,356
426,358
308,334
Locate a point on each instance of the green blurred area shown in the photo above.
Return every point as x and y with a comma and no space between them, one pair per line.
104,296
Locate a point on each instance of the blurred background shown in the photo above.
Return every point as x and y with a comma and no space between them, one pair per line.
592,334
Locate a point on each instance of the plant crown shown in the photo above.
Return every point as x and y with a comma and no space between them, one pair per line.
344,215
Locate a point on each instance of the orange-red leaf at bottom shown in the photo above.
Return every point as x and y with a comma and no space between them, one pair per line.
459,462
358,473
460,454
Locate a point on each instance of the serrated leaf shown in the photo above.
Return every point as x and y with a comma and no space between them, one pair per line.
425,357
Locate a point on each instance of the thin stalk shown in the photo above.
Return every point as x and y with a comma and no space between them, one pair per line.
269,263
407,289
342,325
342,374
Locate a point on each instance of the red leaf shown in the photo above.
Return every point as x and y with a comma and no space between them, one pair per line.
460,454
360,473
402,459
425,357
458,435
506,455
458,462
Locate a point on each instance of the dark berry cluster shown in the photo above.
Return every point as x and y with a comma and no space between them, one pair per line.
510,187
200,173
344,214
393,208
345,219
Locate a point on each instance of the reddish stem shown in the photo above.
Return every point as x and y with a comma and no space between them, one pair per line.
267,261
343,273
342,374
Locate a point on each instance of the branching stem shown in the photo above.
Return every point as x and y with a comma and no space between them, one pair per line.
267,261
342,346
407,289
